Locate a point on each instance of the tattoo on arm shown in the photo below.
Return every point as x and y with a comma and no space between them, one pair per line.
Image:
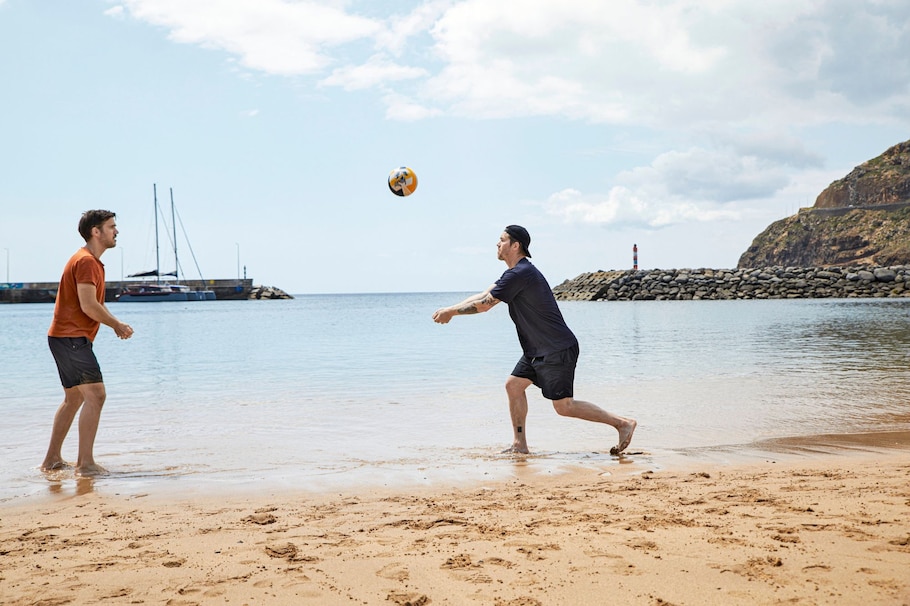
467,309
472,305
487,300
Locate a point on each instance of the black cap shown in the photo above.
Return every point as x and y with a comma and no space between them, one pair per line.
520,235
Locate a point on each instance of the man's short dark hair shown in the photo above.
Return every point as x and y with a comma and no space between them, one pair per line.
91,219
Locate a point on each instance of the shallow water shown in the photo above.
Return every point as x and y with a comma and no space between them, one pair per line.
336,391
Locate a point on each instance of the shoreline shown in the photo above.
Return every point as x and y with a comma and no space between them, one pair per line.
465,469
826,521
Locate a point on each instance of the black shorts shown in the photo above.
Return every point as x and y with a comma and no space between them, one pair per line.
553,373
76,362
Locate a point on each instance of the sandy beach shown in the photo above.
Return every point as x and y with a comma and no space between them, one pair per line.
830,529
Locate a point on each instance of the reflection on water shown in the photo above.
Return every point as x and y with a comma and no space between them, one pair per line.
68,484
327,391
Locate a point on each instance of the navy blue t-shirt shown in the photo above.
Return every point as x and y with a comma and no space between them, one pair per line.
532,306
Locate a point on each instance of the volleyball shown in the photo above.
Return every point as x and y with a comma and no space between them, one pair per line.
402,181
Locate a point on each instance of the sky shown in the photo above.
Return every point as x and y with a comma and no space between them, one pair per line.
683,126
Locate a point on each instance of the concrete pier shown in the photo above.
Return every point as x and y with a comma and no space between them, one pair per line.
46,292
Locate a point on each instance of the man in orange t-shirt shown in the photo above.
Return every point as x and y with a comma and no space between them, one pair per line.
78,313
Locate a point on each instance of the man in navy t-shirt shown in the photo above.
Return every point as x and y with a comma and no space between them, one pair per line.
550,349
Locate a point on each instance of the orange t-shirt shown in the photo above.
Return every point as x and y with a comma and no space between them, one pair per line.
69,319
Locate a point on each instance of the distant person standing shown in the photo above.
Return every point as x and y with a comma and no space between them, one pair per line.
78,314
550,349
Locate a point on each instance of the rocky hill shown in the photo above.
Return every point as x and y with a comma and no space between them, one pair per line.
862,219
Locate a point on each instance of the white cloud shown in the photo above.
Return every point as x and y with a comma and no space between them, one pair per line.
674,64
377,71
402,108
581,59
695,184
716,176
400,29
677,64
858,50
625,207
273,36
583,29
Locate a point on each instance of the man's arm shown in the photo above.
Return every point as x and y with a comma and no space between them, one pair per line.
98,312
475,304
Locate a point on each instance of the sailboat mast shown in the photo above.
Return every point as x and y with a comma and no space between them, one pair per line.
157,259
174,224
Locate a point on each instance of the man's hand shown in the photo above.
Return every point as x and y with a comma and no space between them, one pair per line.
442,316
122,330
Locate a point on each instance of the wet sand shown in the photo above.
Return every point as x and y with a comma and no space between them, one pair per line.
828,524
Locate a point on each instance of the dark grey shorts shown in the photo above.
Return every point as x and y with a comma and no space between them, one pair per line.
554,373
76,362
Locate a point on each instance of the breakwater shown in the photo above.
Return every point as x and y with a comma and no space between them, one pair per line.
46,292
754,283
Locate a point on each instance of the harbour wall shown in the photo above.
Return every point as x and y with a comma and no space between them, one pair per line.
46,292
755,283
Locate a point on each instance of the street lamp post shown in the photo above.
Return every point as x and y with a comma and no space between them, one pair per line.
238,259
7,265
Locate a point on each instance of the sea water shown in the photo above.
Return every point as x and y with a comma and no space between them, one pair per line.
334,392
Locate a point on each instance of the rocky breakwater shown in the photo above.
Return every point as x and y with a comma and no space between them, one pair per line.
268,292
746,283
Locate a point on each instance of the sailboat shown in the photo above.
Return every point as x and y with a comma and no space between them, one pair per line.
158,291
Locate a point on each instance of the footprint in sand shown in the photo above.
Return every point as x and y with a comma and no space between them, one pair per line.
261,518
394,572
286,551
458,562
408,599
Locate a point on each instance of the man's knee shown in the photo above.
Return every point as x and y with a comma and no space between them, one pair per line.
516,385
94,393
73,397
564,406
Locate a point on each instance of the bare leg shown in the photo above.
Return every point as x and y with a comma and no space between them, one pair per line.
579,409
518,410
95,395
63,420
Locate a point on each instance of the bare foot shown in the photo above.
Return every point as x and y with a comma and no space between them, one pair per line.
516,450
625,437
92,470
55,465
